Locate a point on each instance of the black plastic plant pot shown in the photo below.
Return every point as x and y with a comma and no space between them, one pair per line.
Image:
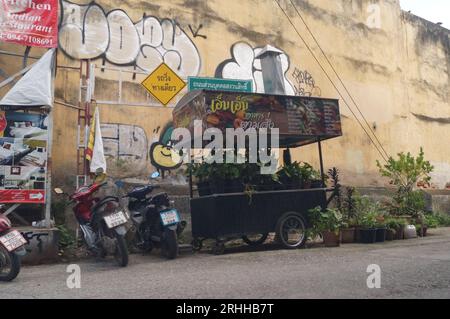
317,184
217,186
368,236
233,186
381,235
204,189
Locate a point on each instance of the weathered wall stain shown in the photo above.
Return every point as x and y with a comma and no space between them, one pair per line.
439,120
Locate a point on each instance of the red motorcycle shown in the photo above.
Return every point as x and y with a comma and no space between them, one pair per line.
11,249
102,222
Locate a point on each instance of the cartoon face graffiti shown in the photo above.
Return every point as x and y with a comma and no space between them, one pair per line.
164,157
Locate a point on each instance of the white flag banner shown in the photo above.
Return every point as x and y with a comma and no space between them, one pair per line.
98,154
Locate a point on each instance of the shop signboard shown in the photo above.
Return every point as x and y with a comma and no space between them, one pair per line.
23,157
304,119
215,84
29,22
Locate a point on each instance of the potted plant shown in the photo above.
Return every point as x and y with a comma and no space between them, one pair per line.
349,213
307,175
201,173
368,228
316,179
381,229
367,218
328,224
291,176
392,225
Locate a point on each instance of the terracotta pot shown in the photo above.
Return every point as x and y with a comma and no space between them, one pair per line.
330,239
348,235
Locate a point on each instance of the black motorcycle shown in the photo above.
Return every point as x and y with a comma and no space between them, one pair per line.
157,224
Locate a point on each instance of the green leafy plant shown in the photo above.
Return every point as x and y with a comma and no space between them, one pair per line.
368,214
66,237
431,221
349,205
291,174
329,220
443,219
406,172
334,175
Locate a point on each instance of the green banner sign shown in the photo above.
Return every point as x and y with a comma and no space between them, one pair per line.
215,84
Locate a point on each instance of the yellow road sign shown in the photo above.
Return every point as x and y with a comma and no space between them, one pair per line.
164,84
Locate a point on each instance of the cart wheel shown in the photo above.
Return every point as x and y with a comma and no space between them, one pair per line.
291,230
197,244
255,239
219,248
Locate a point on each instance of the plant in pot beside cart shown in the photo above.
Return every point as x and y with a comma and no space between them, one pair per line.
392,224
328,224
428,221
367,214
368,228
350,216
381,228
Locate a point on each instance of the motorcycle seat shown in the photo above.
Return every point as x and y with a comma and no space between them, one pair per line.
140,192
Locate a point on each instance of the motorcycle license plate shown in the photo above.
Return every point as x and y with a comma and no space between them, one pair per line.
13,240
170,217
115,220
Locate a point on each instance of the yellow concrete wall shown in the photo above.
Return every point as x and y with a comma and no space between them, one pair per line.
397,70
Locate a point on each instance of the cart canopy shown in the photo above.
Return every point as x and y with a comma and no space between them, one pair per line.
300,120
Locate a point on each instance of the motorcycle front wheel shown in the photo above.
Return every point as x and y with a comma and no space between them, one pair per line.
170,244
9,265
121,254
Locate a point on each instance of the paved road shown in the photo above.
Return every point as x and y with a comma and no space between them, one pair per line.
410,269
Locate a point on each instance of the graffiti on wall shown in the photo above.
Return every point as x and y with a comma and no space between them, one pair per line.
129,152
125,145
304,84
246,65
42,245
162,154
88,32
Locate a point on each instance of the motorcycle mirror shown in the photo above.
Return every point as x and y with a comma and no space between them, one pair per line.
59,191
155,175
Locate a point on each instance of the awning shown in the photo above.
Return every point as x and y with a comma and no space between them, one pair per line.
35,88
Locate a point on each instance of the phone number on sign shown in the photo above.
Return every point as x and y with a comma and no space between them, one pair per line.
25,38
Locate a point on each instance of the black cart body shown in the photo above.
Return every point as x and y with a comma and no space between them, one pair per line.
235,215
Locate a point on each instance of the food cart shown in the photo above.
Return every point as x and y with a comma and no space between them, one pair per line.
301,121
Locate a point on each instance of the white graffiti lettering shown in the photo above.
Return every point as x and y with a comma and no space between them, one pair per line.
245,65
87,32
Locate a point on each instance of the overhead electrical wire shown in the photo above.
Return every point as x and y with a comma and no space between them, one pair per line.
339,77
384,157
